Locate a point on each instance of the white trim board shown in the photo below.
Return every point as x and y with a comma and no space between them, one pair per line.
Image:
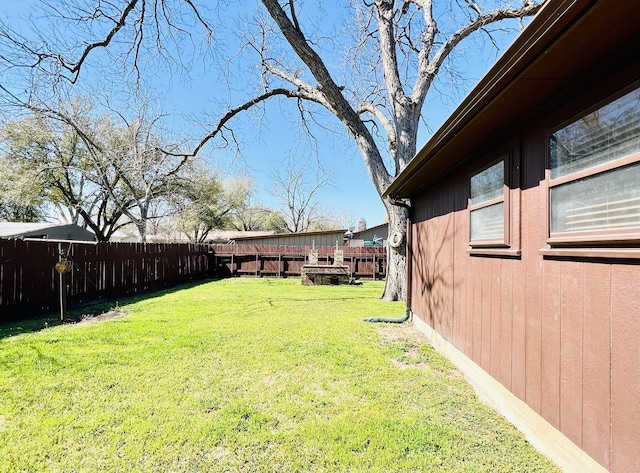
541,434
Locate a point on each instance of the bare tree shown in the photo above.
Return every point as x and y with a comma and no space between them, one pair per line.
46,159
100,173
247,214
397,52
297,190
146,172
203,202
410,50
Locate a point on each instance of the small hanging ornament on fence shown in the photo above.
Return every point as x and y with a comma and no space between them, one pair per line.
63,266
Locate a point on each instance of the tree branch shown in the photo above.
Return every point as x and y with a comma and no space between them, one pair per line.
306,90
429,69
235,111
386,124
74,68
385,17
333,94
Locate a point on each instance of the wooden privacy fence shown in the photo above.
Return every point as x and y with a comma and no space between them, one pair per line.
30,283
286,261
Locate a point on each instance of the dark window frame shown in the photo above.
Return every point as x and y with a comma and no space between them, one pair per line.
600,237
509,243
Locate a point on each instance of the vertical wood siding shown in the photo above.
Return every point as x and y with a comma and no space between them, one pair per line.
625,367
561,333
551,316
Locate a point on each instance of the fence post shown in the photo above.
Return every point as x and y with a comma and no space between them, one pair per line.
374,267
62,268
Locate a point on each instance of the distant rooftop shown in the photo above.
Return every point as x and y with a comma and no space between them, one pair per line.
227,235
10,229
53,231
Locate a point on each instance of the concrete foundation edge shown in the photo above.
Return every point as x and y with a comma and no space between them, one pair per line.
541,434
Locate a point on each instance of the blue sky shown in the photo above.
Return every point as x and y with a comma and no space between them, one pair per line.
266,143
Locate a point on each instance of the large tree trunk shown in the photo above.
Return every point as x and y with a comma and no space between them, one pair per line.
395,289
141,223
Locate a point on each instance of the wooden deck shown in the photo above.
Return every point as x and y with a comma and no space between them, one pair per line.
287,261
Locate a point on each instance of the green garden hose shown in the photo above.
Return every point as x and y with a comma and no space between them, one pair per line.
391,320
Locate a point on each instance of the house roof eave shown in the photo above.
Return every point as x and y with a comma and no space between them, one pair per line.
530,71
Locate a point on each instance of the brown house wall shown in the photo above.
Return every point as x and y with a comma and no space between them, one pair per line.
560,333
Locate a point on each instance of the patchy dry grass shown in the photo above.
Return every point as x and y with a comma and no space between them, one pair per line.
245,375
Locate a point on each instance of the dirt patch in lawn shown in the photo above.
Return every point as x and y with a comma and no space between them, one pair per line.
409,348
91,318
400,333
406,342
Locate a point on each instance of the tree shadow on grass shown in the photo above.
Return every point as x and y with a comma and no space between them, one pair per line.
34,323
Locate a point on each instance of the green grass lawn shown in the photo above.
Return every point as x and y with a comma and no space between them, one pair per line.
245,375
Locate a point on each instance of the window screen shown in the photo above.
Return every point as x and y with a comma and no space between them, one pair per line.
601,196
487,203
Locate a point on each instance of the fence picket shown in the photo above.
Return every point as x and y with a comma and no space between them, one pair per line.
29,282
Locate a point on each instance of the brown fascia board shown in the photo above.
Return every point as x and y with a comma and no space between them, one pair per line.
550,22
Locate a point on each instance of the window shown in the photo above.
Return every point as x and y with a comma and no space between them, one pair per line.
494,202
594,175
488,205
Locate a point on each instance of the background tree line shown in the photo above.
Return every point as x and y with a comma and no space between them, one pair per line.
108,173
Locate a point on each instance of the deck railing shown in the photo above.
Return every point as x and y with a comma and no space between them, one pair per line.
287,261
